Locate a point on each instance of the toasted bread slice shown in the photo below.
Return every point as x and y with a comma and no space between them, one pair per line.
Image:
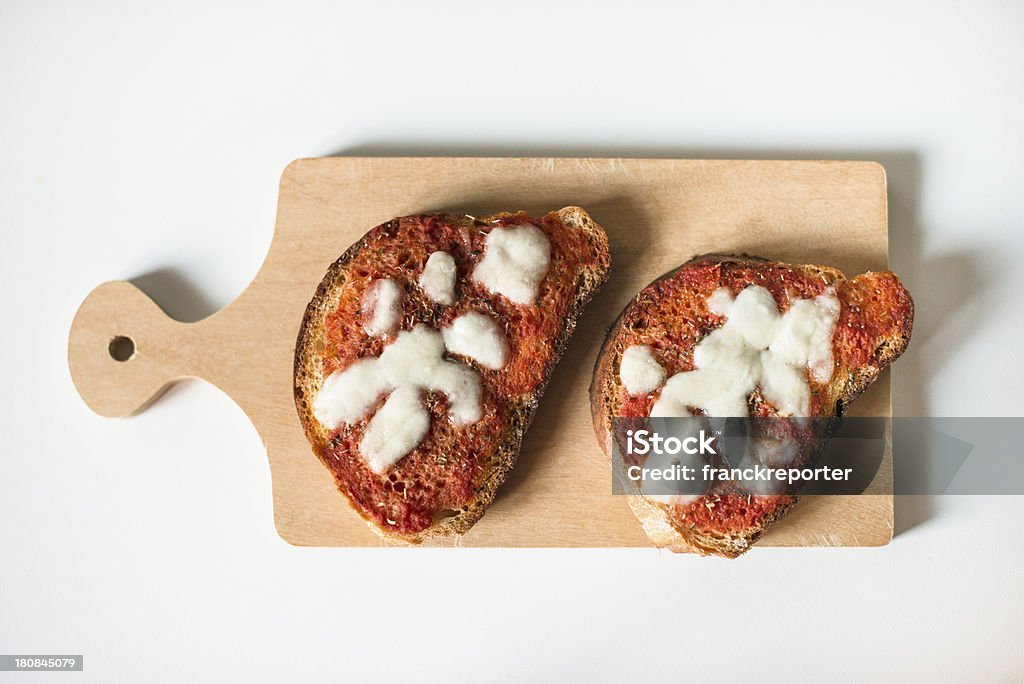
443,485
672,315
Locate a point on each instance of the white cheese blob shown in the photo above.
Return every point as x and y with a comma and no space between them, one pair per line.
347,396
414,363
438,278
479,337
720,301
666,491
395,430
639,371
805,335
382,307
757,347
515,261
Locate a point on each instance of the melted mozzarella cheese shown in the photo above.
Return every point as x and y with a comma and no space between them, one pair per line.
515,261
639,371
416,358
438,278
414,363
347,396
666,491
720,301
757,347
395,430
805,335
382,307
479,337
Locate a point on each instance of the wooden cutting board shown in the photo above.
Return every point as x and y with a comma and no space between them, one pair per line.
658,213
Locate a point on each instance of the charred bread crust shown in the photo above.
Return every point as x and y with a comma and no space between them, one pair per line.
846,385
308,370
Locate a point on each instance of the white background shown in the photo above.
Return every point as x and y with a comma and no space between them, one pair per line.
146,142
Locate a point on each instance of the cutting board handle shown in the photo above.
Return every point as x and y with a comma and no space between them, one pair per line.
124,351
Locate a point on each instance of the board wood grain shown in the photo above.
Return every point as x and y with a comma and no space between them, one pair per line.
658,213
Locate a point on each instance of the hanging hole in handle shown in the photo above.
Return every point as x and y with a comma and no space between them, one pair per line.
121,348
